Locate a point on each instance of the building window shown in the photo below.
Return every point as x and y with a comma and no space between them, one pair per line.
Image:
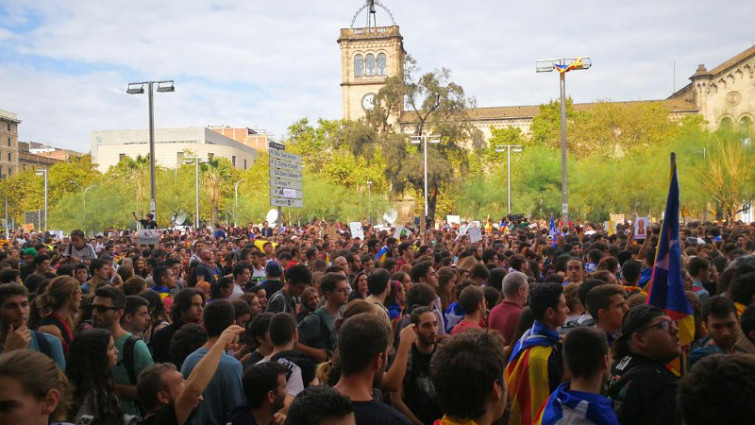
358,66
10,126
121,157
245,164
381,64
10,157
10,142
370,65
233,160
10,171
180,158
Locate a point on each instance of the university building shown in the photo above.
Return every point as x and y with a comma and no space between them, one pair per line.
725,95
172,147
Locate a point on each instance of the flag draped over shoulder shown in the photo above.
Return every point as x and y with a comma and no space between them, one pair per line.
526,374
575,407
666,286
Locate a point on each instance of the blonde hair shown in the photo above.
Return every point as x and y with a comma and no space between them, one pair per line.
57,294
37,374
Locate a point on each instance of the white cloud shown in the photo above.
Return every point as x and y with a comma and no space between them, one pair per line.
268,64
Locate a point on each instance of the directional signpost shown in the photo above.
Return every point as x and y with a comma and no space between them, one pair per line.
285,177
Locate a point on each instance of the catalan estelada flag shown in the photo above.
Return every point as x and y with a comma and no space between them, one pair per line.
666,286
526,373
576,64
381,255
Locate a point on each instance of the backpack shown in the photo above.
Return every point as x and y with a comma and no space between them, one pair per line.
128,358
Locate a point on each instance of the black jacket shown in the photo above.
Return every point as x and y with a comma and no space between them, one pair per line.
643,392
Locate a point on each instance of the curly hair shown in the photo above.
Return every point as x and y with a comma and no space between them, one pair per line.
89,373
473,360
57,294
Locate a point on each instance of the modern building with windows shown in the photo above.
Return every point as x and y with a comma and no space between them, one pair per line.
8,144
172,146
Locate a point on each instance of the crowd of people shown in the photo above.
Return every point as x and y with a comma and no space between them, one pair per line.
308,325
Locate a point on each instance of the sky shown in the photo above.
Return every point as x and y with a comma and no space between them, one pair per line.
65,64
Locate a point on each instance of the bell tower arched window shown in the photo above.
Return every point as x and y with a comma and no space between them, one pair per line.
381,64
358,66
370,65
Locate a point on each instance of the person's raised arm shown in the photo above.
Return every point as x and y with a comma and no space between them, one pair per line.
202,374
394,378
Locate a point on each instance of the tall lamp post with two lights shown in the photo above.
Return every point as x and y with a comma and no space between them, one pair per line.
563,66
165,86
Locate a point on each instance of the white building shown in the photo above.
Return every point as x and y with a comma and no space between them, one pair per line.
172,145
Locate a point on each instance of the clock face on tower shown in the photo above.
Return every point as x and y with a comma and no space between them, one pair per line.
367,101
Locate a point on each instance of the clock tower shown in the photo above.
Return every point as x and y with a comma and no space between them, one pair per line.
369,55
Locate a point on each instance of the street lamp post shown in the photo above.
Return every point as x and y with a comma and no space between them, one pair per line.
508,148
138,88
236,204
196,161
563,66
416,140
369,200
43,172
84,194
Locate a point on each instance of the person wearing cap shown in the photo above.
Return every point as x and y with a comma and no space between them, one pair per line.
148,222
28,255
641,388
273,278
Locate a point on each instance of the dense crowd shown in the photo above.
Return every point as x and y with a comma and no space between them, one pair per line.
309,325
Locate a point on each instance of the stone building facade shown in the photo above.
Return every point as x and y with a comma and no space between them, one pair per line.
725,95
368,56
8,144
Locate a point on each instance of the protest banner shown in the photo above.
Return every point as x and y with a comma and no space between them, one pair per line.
640,227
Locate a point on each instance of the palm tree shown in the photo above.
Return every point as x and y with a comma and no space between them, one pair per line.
135,171
216,176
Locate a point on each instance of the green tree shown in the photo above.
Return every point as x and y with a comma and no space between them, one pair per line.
436,105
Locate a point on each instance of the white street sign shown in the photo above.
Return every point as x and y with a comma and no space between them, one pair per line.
285,156
285,183
283,202
285,165
286,193
274,172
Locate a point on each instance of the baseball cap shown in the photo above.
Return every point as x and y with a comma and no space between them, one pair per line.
29,251
273,268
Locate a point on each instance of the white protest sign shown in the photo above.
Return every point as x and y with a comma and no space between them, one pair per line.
475,234
453,219
397,232
356,230
641,227
149,236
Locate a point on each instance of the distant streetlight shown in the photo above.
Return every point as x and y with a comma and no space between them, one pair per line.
369,200
138,88
83,191
563,66
197,160
508,148
43,172
416,140
236,204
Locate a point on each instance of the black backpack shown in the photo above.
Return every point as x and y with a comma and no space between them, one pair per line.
128,358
